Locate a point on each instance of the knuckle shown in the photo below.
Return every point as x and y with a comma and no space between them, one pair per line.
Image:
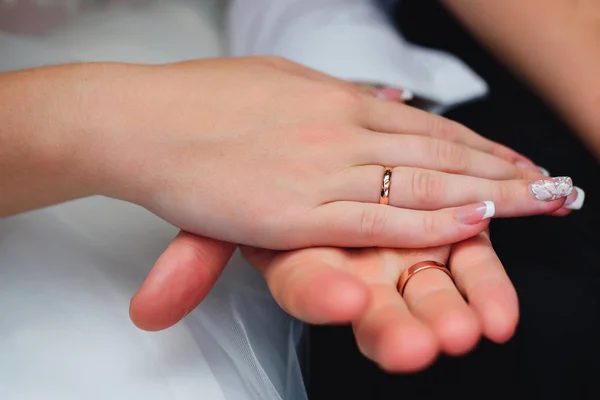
430,224
321,134
451,156
373,223
442,128
502,193
343,98
426,186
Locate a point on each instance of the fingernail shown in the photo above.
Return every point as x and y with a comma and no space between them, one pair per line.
552,188
575,199
530,165
407,95
475,213
388,93
526,164
543,170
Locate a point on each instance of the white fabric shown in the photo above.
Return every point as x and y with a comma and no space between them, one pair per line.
67,272
156,31
352,40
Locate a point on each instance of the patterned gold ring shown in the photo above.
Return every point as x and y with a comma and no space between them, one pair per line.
384,196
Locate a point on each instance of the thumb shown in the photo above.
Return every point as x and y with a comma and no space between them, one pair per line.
181,278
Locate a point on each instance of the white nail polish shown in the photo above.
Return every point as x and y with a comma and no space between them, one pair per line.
490,209
552,189
407,95
473,214
578,203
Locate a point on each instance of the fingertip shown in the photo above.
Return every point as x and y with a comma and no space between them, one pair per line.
458,333
180,279
500,321
144,317
497,306
409,349
147,308
555,205
348,299
331,297
561,212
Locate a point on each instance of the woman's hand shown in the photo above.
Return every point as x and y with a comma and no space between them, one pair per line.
329,285
267,153
258,151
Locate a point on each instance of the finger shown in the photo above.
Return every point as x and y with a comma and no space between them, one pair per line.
390,335
311,284
315,75
393,118
422,189
433,298
575,200
350,224
479,274
179,281
386,93
378,91
435,154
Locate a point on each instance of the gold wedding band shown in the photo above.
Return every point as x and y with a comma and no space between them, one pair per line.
384,196
418,267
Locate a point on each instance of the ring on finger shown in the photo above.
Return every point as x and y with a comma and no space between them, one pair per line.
418,267
386,183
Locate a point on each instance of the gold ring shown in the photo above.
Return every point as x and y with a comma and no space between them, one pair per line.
384,196
418,267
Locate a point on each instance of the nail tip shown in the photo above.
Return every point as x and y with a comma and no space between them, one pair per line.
407,95
578,203
490,210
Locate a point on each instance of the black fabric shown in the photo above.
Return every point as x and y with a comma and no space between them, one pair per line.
552,261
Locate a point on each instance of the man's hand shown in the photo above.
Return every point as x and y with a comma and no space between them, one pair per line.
359,286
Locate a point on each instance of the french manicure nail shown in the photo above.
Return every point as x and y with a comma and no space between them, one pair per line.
530,165
389,93
407,95
575,199
552,188
526,164
475,213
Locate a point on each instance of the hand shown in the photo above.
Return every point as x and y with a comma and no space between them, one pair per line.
264,152
328,285
401,334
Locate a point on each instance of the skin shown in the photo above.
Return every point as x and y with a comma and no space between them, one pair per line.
101,129
358,287
553,45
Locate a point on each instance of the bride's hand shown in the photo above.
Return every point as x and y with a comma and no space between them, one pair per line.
264,152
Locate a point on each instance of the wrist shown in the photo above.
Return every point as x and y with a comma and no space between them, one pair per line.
37,140
105,141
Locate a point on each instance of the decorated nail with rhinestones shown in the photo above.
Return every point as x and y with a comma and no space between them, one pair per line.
552,188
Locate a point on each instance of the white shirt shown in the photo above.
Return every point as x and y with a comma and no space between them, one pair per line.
349,39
